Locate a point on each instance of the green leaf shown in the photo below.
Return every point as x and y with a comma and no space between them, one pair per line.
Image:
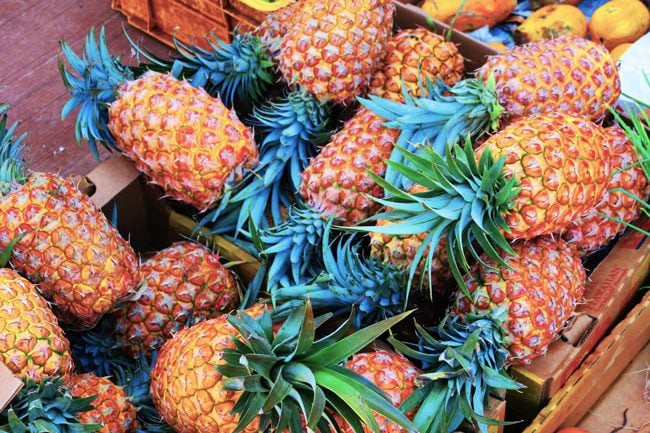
351,344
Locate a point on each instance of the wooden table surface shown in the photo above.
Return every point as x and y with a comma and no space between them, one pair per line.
30,80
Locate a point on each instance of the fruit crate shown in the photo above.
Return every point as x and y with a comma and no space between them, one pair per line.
145,218
604,367
192,19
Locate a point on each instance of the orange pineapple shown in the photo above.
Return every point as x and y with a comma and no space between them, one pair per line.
185,386
333,47
596,228
184,140
539,291
393,374
32,344
112,408
80,262
182,282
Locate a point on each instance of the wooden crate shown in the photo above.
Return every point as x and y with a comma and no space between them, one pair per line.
191,20
186,20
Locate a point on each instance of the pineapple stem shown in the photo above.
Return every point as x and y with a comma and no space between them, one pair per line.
12,164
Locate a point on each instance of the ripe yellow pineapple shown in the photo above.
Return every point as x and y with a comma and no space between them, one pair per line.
184,140
185,386
32,344
81,263
567,74
112,408
333,47
183,282
539,291
596,228
393,374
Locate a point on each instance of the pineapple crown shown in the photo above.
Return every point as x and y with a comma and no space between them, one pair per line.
293,377
95,350
134,376
91,81
12,164
291,248
373,289
239,72
46,406
463,361
465,201
440,118
291,129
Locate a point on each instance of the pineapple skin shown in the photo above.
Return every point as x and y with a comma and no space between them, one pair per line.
562,163
32,344
565,74
185,141
336,183
113,410
593,230
390,372
187,389
80,262
184,280
334,46
539,293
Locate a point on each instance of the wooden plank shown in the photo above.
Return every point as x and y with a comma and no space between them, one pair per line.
29,77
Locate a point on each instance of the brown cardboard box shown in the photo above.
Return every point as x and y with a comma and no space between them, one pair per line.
10,385
626,402
596,375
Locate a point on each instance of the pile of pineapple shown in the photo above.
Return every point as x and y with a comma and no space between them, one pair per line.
374,182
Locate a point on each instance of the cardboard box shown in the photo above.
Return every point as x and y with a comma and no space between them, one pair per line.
627,401
611,287
10,385
596,375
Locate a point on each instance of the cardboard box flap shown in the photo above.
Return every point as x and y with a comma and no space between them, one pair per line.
109,178
10,385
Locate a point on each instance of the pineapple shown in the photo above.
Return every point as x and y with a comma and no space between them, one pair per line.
32,344
184,140
65,244
607,219
564,74
539,290
112,408
336,183
193,396
532,178
333,47
183,282
390,372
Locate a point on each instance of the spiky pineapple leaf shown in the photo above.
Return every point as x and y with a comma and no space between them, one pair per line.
299,377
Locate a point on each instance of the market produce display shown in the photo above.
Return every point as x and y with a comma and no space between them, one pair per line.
419,228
